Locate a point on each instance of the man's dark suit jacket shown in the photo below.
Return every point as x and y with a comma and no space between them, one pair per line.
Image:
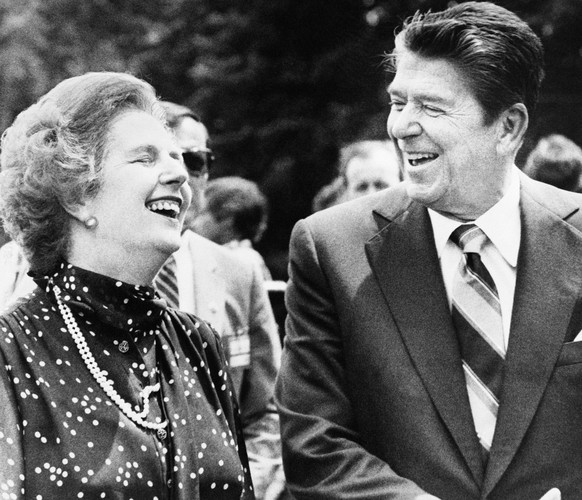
371,393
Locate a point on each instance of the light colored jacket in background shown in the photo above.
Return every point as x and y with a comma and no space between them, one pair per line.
228,290
14,282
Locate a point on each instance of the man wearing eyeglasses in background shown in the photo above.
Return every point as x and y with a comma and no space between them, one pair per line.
218,286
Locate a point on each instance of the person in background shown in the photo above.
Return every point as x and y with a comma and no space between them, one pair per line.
235,215
433,345
556,160
228,291
3,236
329,195
365,167
106,391
368,167
14,280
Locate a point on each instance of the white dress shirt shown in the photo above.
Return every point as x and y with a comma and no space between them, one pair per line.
502,225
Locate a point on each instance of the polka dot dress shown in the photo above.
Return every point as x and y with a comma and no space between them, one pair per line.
61,436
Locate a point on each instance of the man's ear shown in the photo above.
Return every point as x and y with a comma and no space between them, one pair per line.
513,124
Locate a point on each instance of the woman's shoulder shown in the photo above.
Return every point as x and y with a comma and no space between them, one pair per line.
24,321
196,328
26,307
29,308
204,338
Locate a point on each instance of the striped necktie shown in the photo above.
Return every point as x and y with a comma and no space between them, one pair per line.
166,282
477,318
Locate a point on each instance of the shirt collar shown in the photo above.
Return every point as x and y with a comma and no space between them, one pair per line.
501,223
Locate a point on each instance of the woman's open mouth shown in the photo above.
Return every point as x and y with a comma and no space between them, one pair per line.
168,207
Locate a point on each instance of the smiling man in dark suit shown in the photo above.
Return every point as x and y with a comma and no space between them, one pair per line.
430,349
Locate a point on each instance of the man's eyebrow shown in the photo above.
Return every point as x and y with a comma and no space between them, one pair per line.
391,90
422,97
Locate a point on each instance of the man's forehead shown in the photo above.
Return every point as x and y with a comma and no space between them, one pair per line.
191,134
431,79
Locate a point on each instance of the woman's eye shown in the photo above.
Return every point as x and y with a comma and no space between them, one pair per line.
143,159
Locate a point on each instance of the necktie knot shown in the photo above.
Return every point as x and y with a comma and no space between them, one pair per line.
469,238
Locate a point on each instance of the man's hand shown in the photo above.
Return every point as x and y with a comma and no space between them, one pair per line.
553,494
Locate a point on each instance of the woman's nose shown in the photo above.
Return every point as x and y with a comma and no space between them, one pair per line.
174,171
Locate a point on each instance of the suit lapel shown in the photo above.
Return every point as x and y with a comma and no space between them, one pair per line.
549,278
404,260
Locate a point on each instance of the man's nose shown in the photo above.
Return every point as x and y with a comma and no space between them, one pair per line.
403,123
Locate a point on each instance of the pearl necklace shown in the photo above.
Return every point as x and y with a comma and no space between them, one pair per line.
101,377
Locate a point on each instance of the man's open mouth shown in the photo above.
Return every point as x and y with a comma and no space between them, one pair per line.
417,159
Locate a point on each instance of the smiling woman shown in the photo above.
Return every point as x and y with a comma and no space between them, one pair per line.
107,392
140,206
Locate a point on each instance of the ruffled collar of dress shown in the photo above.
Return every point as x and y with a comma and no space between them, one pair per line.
122,305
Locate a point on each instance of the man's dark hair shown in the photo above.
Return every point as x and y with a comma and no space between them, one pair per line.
498,53
175,113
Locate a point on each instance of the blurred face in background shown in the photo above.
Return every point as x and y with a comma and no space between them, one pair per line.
209,226
192,138
368,174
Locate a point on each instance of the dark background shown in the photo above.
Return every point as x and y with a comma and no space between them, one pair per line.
281,84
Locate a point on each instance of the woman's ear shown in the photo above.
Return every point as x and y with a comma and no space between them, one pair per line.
513,124
78,211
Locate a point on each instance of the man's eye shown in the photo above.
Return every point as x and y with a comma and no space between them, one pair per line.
397,105
432,111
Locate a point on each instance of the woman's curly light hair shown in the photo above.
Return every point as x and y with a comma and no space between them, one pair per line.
51,158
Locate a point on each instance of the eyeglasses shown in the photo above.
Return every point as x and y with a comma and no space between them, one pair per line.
198,161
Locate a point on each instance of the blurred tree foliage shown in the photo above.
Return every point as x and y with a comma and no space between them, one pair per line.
281,84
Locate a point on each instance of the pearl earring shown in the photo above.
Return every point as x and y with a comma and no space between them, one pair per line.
91,222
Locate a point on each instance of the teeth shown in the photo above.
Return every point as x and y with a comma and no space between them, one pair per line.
164,205
418,158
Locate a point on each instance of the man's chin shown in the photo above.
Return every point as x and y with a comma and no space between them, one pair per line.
421,193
